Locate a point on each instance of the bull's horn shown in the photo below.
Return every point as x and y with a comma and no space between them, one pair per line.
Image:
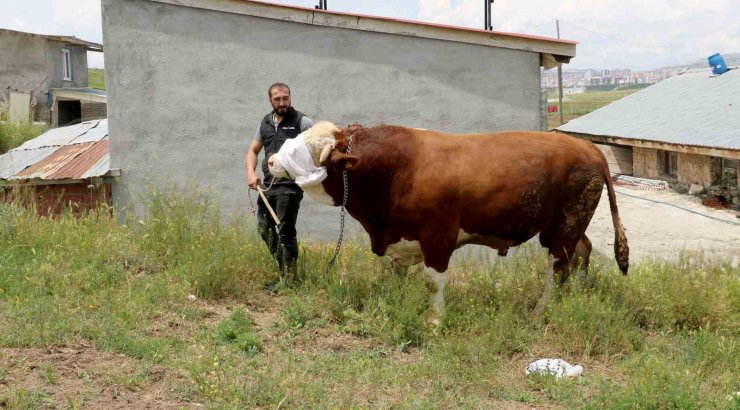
325,153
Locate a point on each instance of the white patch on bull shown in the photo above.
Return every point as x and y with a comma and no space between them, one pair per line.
318,194
405,252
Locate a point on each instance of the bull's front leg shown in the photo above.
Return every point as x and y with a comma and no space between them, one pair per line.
439,280
408,253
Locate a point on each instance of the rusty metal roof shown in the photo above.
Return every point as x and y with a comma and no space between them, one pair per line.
80,153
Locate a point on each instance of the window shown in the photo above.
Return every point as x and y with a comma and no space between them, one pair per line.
66,64
729,172
669,163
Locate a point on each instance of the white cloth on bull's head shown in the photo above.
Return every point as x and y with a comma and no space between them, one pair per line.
296,159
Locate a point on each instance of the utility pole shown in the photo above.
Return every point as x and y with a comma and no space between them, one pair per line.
488,23
321,5
560,79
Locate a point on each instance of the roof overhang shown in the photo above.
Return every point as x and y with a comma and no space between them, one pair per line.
89,45
82,94
552,51
665,146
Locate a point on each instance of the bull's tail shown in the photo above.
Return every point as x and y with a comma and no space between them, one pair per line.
621,248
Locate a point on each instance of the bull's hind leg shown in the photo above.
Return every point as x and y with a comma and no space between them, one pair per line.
565,238
582,257
545,298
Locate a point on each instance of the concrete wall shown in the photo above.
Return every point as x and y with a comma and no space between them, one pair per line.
54,64
185,102
692,168
645,163
24,72
35,67
699,169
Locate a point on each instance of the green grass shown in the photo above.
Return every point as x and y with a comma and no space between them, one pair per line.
576,105
96,78
666,336
13,135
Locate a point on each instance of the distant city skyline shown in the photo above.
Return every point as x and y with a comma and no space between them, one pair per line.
577,80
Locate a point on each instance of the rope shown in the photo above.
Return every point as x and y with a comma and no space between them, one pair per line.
253,210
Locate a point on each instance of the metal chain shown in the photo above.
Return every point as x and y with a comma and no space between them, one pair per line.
342,214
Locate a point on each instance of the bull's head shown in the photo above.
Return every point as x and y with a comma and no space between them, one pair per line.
321,142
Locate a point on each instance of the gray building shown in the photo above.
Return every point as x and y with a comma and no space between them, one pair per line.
187,85
33,65
685,130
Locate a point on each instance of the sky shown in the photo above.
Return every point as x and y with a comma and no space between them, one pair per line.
634,34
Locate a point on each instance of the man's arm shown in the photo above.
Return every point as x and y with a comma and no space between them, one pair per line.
306,123
254,149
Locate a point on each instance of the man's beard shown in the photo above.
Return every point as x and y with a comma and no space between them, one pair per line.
280,111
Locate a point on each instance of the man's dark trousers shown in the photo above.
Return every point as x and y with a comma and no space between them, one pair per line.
285,201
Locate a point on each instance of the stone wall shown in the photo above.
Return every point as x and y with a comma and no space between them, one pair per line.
698,169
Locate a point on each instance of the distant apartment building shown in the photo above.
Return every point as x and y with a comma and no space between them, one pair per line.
589,77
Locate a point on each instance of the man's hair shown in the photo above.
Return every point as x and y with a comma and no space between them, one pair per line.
277,85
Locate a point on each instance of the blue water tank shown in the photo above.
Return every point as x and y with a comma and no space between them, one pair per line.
717,63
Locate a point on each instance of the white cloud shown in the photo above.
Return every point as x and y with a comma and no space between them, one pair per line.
84,14
635,34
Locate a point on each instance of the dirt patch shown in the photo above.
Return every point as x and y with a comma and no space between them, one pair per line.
660,224
80,375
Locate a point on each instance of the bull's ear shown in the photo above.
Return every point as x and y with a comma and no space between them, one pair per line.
343,161
325,153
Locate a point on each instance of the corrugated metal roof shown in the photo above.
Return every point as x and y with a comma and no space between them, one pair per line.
54,162
59,136
694,108
74,152
100,168
76,167
14,162
94,134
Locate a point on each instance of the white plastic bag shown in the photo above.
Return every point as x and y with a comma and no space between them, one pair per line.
556,367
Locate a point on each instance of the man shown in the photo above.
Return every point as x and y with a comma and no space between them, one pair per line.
281,124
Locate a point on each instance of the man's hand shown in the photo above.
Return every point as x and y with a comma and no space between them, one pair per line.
253,180
254,149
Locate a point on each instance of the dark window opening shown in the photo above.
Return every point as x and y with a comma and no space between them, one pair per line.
69,112
668,163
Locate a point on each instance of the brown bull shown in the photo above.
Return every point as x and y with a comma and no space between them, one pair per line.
422,194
